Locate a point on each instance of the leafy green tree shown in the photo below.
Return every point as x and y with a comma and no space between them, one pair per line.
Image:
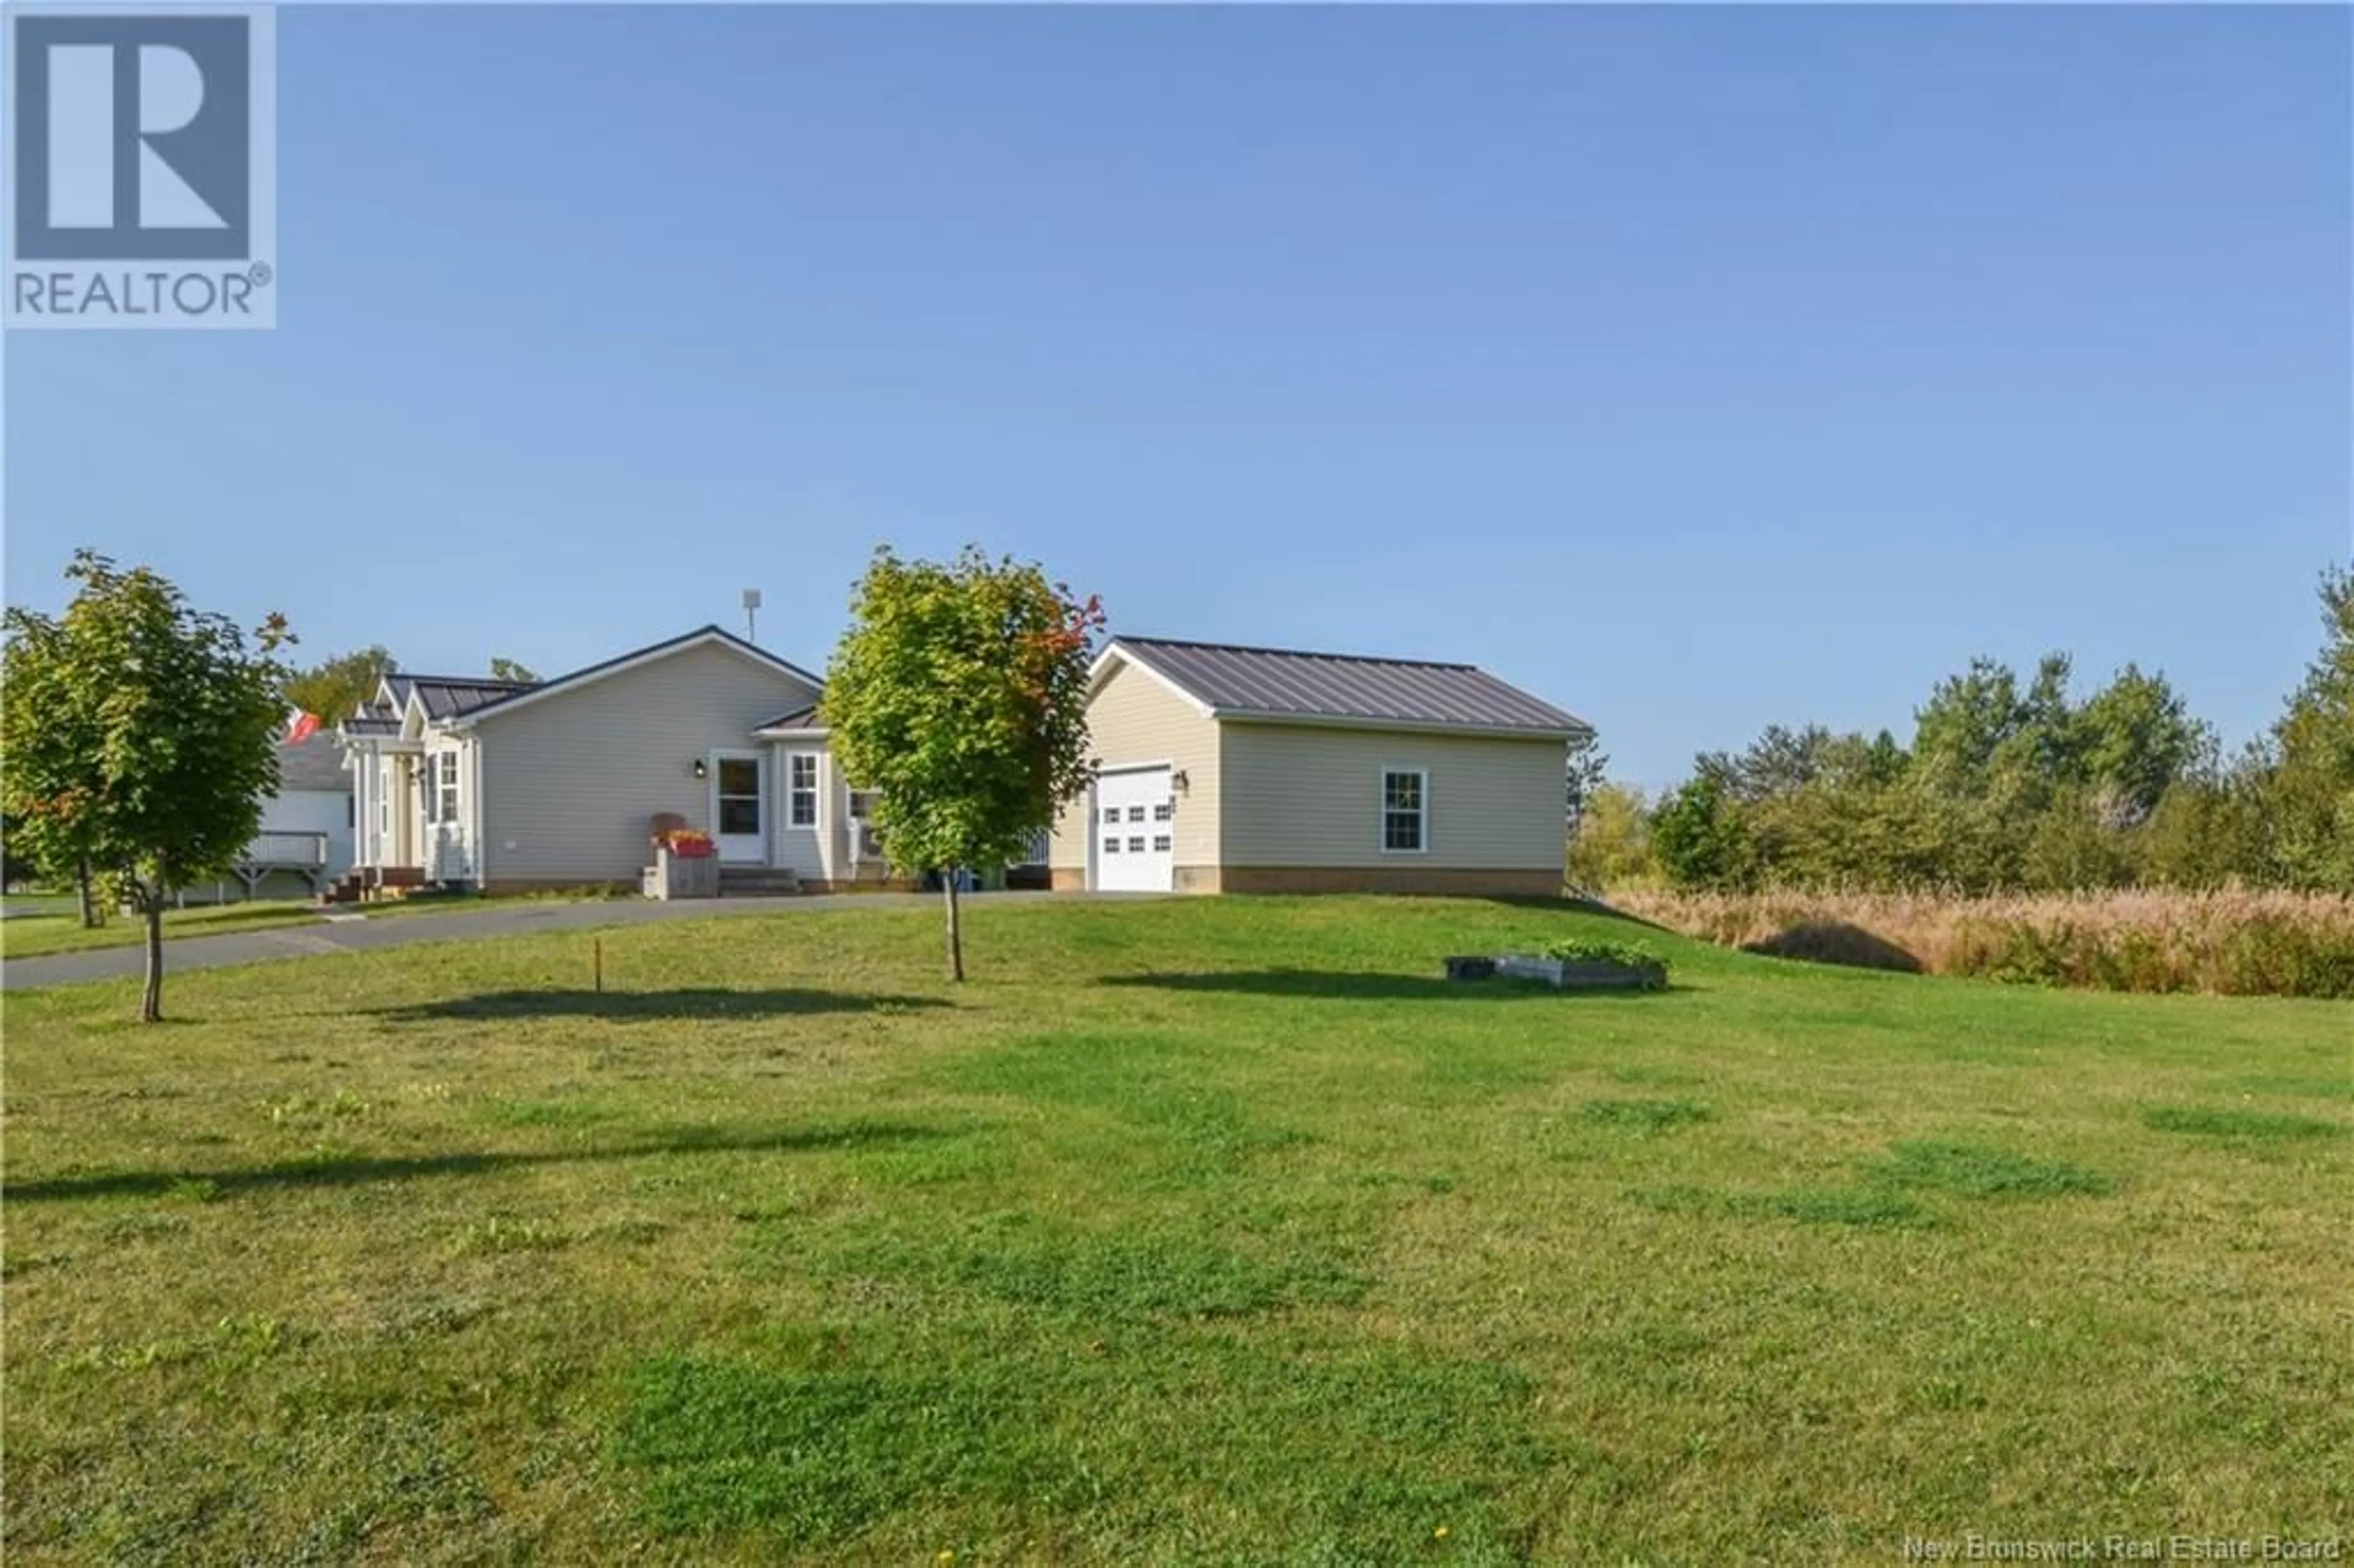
958,696
2309,797
1587,768
143,740
2074,844
1966,721
1698,838
334,688
512,670
49,770
1611,844
2210,829
1783,761
2045,748
2134,737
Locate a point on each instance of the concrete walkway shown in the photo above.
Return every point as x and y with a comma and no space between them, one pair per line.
353,934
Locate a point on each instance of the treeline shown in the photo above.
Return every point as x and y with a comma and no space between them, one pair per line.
2011,786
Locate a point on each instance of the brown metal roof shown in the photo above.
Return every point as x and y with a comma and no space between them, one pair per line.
1276,683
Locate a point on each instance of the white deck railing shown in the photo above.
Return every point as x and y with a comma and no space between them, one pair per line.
278,847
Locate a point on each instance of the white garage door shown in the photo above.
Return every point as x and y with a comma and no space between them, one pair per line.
1135,819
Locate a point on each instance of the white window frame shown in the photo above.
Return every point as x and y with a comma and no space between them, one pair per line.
1382,809
445,784
796,793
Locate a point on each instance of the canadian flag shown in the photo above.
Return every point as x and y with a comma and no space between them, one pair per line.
300,726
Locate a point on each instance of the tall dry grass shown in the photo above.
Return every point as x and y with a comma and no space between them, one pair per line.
2236,943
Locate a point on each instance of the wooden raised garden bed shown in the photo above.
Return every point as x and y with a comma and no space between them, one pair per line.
1585,974
1586,967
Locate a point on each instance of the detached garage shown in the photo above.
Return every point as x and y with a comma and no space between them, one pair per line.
1227,769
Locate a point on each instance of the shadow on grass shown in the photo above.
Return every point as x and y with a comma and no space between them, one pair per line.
1835,942
1575,904
1360,985
698,1002
344,1171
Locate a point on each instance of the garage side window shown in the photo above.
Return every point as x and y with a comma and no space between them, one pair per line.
1405,810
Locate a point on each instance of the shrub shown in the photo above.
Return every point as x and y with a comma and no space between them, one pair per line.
2229,942
1594,950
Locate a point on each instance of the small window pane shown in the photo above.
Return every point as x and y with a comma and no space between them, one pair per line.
1136,814
1163,812
1161,842
1111,846
740,776
800,794
1403,811
740,816
1111,813
1136,846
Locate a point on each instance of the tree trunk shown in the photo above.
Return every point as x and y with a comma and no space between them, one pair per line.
956,931
150,1001
90,910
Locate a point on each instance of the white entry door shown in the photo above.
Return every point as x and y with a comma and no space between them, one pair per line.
739,806
1135,828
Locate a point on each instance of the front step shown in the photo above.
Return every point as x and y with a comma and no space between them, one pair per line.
758,881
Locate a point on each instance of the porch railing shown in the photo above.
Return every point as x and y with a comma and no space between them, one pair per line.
294,851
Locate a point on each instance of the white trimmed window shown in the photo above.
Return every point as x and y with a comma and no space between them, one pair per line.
1405,810
801,795
449,791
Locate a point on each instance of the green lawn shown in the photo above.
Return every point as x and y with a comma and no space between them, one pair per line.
1212,1231
31,935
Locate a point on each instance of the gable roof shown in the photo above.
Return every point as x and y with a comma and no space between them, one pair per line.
712,635
802,717
446,696
316,764
1231,682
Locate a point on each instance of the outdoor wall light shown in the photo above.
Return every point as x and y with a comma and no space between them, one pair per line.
1179,780
702,768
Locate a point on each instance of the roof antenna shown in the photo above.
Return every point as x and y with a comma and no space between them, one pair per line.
751,613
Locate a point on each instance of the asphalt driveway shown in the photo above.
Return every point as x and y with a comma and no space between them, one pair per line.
353,934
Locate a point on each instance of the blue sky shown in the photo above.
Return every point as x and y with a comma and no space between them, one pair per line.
1694,368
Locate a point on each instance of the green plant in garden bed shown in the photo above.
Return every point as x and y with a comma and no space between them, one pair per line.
1601,951
1598,951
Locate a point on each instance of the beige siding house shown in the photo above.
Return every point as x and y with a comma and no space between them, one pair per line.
1215,770
1258,770
506,785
